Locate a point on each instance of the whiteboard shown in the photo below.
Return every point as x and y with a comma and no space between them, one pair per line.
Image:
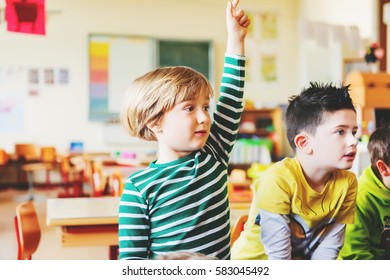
130,58
115,61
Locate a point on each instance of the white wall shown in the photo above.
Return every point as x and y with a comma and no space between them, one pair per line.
325,64
59,114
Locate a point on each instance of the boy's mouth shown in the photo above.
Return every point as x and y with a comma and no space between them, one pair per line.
201,132
350,155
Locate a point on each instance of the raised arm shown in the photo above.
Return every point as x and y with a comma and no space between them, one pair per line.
230,103
237,23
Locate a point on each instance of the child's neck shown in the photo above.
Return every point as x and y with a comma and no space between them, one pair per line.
166,156
386,181
315,177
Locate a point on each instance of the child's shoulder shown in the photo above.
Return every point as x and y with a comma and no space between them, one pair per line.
286,164
283,169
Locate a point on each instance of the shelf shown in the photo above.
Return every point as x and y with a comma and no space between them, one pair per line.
371,93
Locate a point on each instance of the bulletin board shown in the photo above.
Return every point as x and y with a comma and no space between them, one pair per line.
116,60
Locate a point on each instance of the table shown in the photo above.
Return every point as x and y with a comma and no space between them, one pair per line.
30,168
93,221
85,221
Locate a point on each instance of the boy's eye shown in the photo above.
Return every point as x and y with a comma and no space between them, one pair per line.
340,132
354,132
207,108
189,108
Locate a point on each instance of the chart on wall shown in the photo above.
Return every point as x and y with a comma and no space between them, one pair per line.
116,60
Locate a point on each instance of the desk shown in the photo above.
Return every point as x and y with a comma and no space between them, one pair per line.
93,221
30,168
85,221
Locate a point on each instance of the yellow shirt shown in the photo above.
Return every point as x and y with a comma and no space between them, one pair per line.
283,189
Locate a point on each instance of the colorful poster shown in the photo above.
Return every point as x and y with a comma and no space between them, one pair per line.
98,75
26,16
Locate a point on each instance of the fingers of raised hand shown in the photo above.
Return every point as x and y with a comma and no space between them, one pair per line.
244,21
242,18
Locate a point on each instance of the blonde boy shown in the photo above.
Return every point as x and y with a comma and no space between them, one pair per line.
180,202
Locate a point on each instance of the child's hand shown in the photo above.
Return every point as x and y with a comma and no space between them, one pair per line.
236,20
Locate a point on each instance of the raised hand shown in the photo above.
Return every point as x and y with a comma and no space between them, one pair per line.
237,23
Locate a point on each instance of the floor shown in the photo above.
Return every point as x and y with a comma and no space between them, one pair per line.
50,244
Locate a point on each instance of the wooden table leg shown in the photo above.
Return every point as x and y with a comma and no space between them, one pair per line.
113,252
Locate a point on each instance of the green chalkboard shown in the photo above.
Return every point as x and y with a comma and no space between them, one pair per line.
195,54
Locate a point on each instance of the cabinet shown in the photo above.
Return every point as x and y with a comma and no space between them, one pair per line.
258,127
371,93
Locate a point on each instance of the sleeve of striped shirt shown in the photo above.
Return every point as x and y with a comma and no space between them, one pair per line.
229,108
133,225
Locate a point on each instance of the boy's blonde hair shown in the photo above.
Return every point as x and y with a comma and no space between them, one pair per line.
157,92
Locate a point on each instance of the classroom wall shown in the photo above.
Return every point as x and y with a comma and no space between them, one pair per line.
326,64
59,113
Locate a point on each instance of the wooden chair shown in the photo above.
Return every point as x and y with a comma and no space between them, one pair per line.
28,231
72,175
49,155
4,157
25,153
30,168
115,183
237,228
99,181
47,162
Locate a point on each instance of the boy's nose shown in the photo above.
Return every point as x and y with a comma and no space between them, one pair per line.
352,140
203,116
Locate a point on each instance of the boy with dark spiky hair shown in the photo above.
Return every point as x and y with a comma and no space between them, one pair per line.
302,204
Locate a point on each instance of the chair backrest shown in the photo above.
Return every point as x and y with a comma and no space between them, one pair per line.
28,231
237,228
99,181
71,165
3,157
48,154
116,183
64,166
26,151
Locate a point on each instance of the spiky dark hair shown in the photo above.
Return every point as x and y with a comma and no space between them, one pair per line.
306,110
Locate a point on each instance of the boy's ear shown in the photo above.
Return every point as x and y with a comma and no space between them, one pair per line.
383,168
302,143
155,127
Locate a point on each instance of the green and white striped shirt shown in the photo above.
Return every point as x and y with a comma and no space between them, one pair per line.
183,204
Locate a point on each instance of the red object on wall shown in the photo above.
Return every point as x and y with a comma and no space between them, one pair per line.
26,16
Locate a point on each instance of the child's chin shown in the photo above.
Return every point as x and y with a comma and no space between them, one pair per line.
346,166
